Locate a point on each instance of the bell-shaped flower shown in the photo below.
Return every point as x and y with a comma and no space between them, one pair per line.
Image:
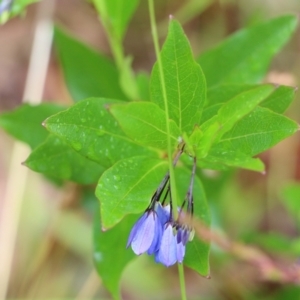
167,253
145,234
163,213
183,234
180,252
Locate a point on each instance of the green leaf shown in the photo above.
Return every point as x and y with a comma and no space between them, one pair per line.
142,80
197,251
218,95
291,198
91,130
184,81
280,99
229,114
127,187
237,108
221,160
145,123
116,14
110,253
25,122
245,56
257,132
87,73
56,159
223,93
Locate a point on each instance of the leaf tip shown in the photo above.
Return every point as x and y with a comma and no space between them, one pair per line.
44,123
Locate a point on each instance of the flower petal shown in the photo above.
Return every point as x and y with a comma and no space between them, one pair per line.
180,252
157,237
144,234
167,253
185,236
135,228
163,213
179,235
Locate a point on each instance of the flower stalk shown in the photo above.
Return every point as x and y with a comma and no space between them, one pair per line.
158,231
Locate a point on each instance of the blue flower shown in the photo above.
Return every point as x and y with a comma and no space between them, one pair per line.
173,243
146,234
183,235
156,232
167,253
163,213
180,252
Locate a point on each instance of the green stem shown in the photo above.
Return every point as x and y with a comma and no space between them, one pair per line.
182,281
114,43
116,48
170,150
164,91
127,78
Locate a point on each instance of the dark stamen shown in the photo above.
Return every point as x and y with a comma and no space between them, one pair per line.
171,207
166,195
164,182
189,196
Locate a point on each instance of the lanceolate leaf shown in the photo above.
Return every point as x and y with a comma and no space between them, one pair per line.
145,123
127,187
257,132
56,159
25,122
87,73
110,253
245,56
183,78
90,129
218,159
228,115
280,99
225,92
238,107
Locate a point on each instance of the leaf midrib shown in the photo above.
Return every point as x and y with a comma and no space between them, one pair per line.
141,178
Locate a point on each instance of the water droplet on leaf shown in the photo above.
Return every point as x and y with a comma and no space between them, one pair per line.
77,146
117,177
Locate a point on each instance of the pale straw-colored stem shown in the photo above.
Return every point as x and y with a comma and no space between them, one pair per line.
17,174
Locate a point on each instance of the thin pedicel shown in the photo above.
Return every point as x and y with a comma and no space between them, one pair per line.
156,232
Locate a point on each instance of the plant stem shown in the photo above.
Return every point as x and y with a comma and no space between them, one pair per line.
163,86
14,194
127,80
170,152
182,281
